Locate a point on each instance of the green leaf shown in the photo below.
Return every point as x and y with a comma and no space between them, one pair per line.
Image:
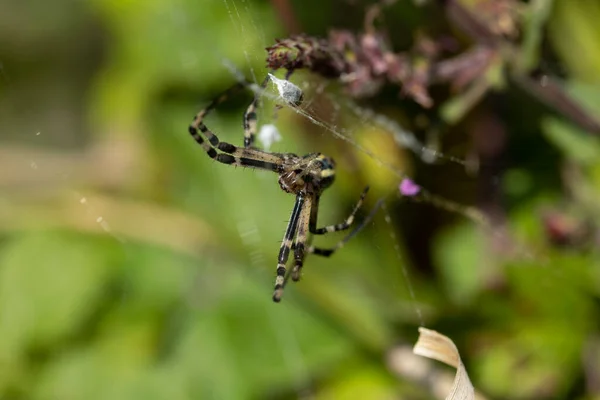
574,143
461,262
575,34
240,342
50,283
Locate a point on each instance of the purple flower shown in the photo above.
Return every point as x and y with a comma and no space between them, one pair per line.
408,187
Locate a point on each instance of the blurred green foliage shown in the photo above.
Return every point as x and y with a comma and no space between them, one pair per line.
132,266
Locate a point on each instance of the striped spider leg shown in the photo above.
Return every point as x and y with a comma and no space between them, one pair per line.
307,178
284,252
304,221
249,124
311,223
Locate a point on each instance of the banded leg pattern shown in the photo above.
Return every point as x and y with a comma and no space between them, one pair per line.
234,155
301,237
328,252
286,245
198,122
250,118
347,223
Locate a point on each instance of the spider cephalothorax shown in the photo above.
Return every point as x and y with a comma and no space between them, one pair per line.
306,177
312,173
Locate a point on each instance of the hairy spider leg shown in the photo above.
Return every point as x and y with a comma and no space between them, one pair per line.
328,252
301,237
342,226
286,245
300,256
250,118
314,210
244,157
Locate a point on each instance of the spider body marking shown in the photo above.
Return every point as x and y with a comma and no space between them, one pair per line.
306,177
312,173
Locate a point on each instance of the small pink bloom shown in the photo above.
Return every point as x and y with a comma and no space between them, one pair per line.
409,188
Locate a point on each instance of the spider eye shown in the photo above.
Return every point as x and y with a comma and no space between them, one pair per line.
328,163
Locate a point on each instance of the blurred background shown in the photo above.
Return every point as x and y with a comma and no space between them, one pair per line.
134,267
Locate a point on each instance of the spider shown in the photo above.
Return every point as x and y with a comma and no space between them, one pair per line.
304,176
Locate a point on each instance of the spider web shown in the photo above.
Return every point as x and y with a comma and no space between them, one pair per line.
345,121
